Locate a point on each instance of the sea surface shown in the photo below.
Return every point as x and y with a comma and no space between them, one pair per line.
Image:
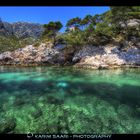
68,100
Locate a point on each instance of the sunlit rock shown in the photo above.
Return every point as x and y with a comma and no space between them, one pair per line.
106,57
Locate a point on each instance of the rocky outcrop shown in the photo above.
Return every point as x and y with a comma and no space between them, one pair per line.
131,23
95,57
31,55
106,57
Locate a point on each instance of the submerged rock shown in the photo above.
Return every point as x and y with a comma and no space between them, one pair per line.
19,102
37,113
54,100
7,125
125,111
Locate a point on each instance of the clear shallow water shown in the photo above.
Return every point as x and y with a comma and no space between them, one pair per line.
67,100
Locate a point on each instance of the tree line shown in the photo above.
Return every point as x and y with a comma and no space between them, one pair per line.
95,29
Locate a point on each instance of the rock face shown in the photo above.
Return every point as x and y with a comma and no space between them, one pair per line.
5,28
107,57
32,55
131,23
25,29
21,29
102,57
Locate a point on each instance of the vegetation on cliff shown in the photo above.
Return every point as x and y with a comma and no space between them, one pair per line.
104,28
115,25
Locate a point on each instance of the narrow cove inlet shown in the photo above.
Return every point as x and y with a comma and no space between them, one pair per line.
69,100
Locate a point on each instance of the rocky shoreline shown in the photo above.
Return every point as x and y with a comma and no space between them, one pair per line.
93,57
108,57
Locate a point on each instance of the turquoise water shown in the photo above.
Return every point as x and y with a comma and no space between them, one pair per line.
68,100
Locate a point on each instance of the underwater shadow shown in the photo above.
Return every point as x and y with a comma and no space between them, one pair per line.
125,94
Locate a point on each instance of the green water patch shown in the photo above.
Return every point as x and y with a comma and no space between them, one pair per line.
66,100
